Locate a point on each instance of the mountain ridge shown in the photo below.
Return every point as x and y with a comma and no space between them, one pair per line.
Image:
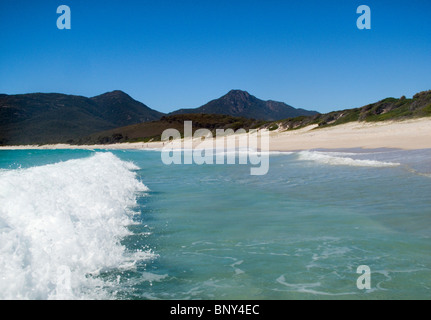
391,109
43,118
35,118
49,118
239,103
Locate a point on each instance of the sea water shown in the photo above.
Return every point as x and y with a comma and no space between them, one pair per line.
82,224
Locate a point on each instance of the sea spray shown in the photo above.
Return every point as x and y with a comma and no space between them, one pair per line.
62,224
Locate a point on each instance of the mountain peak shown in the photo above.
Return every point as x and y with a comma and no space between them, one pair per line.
240,103
243,95
118,106
116,94
237,91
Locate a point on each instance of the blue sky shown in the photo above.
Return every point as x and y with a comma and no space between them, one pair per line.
181,54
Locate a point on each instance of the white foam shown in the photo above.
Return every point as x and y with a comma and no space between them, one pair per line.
61,225
325,158
307,288
234,265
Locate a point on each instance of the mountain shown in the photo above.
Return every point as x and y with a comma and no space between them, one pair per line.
41,118
44,118
122,110
239,103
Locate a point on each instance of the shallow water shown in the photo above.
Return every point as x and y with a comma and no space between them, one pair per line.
80,224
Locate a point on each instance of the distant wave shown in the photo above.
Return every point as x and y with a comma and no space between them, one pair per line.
249,151
416,172
61,225
338,160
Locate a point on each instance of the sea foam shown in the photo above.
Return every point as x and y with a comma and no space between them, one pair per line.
339,159
62,224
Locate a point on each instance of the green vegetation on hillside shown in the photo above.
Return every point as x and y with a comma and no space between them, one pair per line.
44,118
384,110
152,131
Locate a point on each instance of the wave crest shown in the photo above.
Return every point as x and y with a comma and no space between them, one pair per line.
61,224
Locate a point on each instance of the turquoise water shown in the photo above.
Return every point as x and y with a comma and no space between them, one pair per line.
79,224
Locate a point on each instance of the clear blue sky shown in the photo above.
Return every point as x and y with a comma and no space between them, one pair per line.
181,54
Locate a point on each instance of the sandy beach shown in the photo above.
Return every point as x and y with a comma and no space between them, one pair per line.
407,135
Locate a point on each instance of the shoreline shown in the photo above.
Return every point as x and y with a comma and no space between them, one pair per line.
410,134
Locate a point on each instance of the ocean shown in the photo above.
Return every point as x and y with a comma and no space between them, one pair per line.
103,224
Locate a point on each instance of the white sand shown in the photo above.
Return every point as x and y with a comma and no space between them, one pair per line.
408,135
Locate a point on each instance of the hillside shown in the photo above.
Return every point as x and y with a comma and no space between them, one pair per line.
152,131
41,118
386,109
239,103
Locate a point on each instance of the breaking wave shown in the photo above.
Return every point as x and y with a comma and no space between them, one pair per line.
61,225
338,160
